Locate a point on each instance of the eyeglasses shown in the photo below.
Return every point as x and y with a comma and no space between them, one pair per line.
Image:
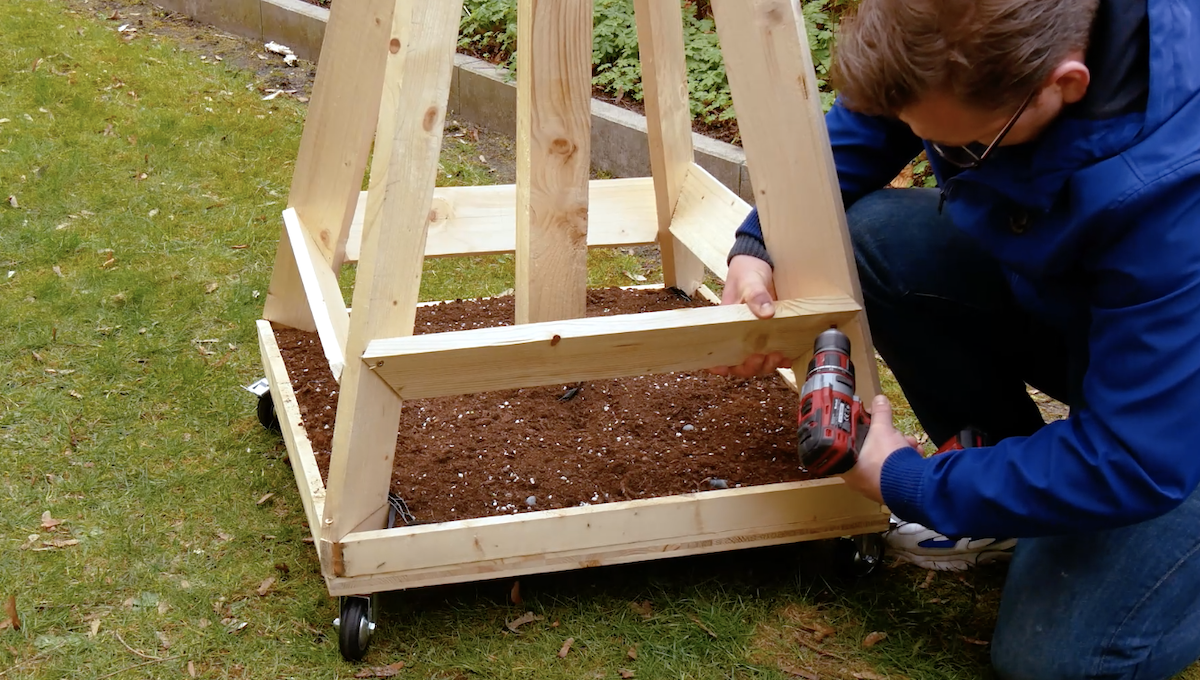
973,155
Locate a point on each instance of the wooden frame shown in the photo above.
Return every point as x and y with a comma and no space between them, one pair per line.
396,80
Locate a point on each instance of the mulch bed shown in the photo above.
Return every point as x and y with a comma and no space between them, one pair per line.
511,451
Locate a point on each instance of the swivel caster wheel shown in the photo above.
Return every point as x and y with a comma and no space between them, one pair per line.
355,626
266,412
859,556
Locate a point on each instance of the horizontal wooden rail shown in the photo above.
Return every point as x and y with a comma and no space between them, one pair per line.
611,533
483,219
527,355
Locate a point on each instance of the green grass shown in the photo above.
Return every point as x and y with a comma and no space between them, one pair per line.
148,187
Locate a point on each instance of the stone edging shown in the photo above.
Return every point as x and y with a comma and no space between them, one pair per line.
480,93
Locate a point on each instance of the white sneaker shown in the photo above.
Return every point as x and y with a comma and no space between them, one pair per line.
926,548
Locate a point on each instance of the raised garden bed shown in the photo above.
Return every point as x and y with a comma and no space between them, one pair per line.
512,451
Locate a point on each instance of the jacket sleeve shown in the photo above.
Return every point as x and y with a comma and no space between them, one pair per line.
1130,452
868,152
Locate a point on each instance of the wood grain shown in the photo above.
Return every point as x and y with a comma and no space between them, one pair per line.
554,94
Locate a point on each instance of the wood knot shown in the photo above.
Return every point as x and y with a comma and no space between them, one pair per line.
430,118
394,46
563,147
324,236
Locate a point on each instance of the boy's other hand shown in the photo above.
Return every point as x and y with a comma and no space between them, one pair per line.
751,281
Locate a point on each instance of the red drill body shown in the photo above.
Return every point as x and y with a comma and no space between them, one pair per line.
833,421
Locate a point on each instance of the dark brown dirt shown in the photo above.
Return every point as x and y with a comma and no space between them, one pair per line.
493,453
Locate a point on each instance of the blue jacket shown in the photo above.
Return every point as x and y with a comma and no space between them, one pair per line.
1097,224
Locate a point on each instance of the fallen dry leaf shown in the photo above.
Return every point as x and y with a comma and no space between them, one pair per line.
819,631
211,287
162,639
642,608
867,675
625,673
798,672
973,641
632,653
873,639
75,394
12,200
37,357
191,669
10,608
163,608
696,620
95,628
56,543
49,522
527,617
57,271
380,671
566,647
265,586
265,497
928,579
514,595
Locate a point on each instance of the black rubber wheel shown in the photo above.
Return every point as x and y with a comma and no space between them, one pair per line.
859,556
354,628
266,413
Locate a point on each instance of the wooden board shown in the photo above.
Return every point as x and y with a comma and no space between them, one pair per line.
483,219
388,279
340,121
286,303
799,202
320,284
601,347
668,128
609,533
706,218
370,203
291,425
554,96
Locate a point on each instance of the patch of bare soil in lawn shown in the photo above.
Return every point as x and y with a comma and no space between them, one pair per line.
556,446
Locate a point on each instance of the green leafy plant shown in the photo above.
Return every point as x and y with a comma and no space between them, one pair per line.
488,30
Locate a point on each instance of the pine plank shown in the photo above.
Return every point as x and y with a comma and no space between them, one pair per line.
482,220
669,129
601,347
389,276
554,94
774,87
341,118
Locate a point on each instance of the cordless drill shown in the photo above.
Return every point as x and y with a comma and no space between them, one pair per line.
833,421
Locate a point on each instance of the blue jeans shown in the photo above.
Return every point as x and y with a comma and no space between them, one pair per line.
1122,603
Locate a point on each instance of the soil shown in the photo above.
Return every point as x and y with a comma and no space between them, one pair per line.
511,451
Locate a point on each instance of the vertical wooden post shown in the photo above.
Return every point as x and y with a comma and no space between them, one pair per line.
389,272
783,131
340,122
554,91
669,126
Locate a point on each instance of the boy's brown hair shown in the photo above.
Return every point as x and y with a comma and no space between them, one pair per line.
989,54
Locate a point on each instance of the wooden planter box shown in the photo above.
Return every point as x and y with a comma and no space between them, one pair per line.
549,219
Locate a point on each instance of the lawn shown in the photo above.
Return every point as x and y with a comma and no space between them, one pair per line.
149,527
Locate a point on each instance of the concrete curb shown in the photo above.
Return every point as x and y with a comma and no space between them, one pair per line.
480,93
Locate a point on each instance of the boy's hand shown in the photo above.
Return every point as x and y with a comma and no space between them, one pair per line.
751,281
883,439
